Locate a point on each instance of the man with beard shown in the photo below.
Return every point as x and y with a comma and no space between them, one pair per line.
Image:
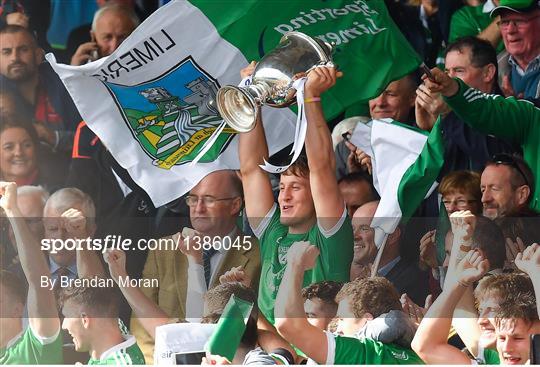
37,87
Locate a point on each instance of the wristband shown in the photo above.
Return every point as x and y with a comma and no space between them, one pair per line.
312,99
465,248
464,284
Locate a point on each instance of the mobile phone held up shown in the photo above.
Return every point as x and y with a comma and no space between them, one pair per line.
535,349
346,136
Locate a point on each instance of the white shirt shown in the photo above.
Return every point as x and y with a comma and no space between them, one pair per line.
196,283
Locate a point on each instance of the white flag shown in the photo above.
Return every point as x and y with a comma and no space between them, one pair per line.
151,101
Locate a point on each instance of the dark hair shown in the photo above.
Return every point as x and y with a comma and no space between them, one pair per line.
326,291
14,285
15,28
523,308
359,177
370,295
8,122
482,52
526,228
489,238
97,301
299,168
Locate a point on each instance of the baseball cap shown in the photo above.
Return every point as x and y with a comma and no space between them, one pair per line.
518,6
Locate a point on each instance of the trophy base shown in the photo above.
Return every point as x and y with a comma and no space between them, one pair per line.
238,108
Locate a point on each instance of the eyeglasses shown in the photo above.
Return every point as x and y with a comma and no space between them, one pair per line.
460,203
508,160
207,200
519,23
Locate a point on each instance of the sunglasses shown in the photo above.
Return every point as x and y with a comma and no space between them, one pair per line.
508,160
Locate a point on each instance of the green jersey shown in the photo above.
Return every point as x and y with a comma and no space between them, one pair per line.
488,356
353,351
333,263
125,353
508,118
471,21
27,348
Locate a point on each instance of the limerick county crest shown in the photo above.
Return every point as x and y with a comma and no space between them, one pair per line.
173,115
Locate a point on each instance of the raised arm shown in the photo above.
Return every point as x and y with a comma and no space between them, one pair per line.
529,262
431,339
41,303
465,315
491,114
252,150
147,311
291,320
321,160
89,264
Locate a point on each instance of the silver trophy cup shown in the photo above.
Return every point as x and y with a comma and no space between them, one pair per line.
272,79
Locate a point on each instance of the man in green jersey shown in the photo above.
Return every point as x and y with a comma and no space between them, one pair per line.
40,342
379,297
91,318
512,119
310,206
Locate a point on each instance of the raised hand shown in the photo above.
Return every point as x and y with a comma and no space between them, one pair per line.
320,79
441,83
463,224
75,223
415,312
248,70
235,274
528,261
116,259
428,250
302,255
471,268
513,248
189,246
8,199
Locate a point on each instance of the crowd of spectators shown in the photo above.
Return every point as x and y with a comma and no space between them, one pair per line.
458,283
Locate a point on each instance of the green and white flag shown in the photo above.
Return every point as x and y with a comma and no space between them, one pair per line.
406,162
150,102
230,328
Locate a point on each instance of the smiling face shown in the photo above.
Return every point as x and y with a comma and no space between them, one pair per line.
76,325
396,102
520,32
487,310
18,160
513,341
364,236
296,203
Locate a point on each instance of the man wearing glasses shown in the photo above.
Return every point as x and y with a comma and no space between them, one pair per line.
213,246
520,27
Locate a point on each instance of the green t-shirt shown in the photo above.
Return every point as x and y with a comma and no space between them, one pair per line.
353,351
125,353
488,356
333,263
27,348
470,21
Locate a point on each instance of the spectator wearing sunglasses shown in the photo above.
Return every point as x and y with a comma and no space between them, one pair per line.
506,185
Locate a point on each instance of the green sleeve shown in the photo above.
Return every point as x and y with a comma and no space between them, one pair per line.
492,114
